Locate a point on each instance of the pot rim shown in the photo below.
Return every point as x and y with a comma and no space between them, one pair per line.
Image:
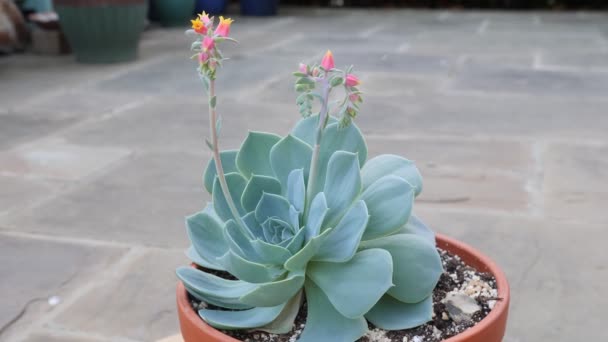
474,258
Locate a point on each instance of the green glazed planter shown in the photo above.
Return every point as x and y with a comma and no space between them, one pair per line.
102,31
174,12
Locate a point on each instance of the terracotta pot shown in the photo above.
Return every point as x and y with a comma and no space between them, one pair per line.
490,329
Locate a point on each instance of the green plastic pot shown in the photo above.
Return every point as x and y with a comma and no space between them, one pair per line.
102,31
174,12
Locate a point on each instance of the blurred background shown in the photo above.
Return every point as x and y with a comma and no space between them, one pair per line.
502,104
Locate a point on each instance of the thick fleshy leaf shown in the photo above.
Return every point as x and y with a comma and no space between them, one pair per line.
391,314
306,128
210,287
347,139
249,271
389,202
297,241
245,319
303,256
236,185
325,323
274,293
254,156
256,186
253,225
272,205
271,254
296,189
207,236
342,243
355,286
390,164
415,226
239,242
287,155
196,258
316,216
284,322
416,263
342,184
228,159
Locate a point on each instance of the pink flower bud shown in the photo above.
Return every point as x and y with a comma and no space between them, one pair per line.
352,80
208,43
223,28
315,72
354,98
328,61
303,68
203,57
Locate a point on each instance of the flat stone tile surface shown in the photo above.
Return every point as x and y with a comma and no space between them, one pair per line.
33,270
139,305
503,112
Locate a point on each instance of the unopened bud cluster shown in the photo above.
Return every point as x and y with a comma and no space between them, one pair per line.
318,80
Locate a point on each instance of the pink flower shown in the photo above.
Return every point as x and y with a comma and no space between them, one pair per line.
315,72
354,98
328,61
352,80
203,57
208,43
223,29
303,68
204,17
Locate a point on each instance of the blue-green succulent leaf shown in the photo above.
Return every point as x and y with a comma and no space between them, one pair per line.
272,205
274,293
228,159
254,155
416,265
342,184
287,155
415,226
207,237
239,242
347,139
271,254
296,189
391,314
390,164
256,186
196,258
306,128
297,241
210,287
355,286
285,321
316,216
299,260
342,243
245,319
253,225
389,202
324,321
236,185
249,271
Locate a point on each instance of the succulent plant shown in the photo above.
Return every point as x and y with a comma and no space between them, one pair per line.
307,217
356,253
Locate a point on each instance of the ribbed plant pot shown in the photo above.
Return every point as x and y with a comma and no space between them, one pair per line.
173,13
490,329
102,31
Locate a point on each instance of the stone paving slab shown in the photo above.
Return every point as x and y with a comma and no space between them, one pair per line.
33,270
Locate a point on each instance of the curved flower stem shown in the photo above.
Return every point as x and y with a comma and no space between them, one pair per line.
314,168
216,157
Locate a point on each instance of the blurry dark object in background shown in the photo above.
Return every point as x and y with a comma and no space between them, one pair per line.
488,4
174,12
211,6
259,7
47,37
13,31
102,31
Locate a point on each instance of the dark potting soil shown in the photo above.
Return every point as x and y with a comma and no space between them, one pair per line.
458,278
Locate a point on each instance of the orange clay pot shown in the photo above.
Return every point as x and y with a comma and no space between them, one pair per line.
490,329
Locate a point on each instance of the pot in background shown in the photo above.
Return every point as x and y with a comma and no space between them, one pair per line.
211,7
259,8
174,12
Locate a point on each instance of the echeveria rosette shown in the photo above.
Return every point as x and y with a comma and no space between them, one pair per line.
355,253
